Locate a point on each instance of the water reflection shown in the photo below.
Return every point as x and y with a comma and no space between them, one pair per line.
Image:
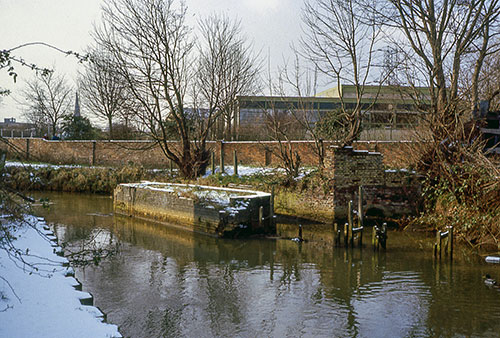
166,282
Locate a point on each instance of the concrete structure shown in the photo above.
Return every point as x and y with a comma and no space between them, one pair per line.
209,210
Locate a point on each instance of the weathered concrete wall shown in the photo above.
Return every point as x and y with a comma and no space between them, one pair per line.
386,192
147,154
164,206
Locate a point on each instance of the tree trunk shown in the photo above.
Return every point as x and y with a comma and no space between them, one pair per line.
54,129
110,123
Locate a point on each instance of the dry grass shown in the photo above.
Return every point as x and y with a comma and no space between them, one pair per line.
92,180
462,187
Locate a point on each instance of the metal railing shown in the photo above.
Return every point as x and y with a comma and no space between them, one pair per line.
9,133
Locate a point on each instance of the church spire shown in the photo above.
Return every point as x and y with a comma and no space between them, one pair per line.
77,107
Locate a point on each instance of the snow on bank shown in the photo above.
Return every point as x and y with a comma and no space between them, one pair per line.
48,305
42,165
243,171
218,195
250,171
228,170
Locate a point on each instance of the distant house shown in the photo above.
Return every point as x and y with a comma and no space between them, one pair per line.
10,128
383,107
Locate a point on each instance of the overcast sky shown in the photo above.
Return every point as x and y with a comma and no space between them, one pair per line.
272,25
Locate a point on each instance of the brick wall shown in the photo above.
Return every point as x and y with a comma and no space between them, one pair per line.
147,154
385,192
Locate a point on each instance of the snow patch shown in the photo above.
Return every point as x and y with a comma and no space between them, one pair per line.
48,305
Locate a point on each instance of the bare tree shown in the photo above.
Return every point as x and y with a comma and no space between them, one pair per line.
103,90
47,100
154,52
226,68
445,38
280,125
342,45
301,115
489,81
152,47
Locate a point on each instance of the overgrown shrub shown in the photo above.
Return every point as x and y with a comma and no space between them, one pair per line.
461,189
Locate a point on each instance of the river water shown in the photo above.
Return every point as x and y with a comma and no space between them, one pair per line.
167,282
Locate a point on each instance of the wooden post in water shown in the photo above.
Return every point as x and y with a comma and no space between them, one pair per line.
261,215
300,232
336,234
383,243
379,237
360,206
360,236
350,221
374,237
450,242
438,244
271,207
221,157
235,163
346,234
212,161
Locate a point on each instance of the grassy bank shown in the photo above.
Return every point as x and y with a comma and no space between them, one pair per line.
293,197
78,179
469,203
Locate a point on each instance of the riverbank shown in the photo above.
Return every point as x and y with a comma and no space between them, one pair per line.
37,299
308,196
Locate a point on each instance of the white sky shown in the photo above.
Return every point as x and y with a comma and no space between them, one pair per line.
272,25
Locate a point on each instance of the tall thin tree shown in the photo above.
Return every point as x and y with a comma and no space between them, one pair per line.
103,90
47,99
342,43
227,68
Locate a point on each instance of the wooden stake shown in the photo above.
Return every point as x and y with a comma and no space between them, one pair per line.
382,236
235,163
212,162
438,244
350,221
360,206
450,241
335,234
261,215
346,234
271,206
221,157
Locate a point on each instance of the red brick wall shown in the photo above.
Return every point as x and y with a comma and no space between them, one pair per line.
146,153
